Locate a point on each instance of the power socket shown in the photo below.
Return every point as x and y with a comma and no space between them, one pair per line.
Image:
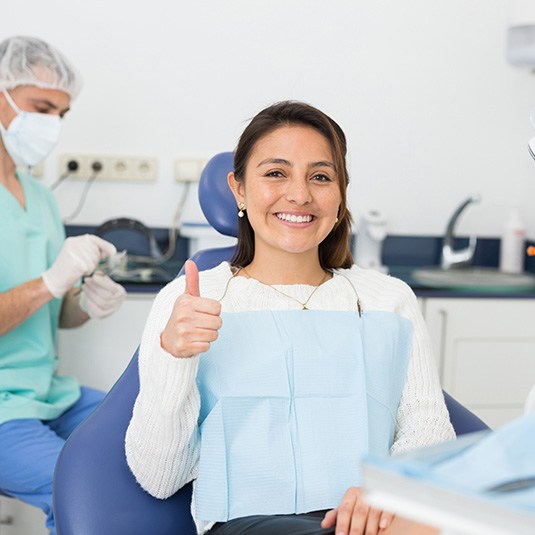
132,169
71,165
82,167
109,167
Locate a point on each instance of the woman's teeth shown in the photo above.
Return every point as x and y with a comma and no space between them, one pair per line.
295,218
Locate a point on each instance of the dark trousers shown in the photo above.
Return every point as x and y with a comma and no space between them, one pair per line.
304,524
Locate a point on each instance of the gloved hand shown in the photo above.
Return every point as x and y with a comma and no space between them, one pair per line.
79,256
101,296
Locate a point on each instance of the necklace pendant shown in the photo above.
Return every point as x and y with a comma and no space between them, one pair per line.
304,307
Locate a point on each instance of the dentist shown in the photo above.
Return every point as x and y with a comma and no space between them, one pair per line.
38,269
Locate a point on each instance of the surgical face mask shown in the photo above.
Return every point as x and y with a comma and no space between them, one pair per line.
31,136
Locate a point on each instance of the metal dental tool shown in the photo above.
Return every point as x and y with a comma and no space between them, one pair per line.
111,264
108,266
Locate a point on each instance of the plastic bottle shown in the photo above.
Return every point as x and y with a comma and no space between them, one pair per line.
512,244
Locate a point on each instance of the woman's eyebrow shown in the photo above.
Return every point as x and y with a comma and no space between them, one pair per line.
282,161
275,160
322,163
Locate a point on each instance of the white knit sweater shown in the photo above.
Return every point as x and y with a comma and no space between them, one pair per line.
162,442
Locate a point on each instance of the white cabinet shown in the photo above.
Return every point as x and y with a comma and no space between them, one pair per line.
485,350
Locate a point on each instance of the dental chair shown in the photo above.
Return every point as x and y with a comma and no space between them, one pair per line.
94,491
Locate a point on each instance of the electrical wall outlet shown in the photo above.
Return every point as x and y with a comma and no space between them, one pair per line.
108,167
71,165
189,169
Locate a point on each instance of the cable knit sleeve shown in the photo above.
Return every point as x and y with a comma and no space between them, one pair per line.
422,417
162,443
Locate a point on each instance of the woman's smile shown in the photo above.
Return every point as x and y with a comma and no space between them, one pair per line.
295,218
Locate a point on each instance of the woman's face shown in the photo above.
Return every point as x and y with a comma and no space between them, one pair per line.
291,190
34,99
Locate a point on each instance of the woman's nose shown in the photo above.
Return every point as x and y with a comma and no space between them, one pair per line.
299,191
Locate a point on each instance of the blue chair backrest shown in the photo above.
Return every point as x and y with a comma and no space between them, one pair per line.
463,420
215,197
94,490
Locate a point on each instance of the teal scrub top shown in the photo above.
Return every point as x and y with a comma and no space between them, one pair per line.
31,240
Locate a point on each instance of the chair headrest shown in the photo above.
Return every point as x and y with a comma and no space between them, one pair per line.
216,200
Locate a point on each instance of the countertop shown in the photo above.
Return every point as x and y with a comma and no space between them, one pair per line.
402,255
404,273
162,274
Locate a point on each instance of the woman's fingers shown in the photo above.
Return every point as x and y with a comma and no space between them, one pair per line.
190,303
194,322
372,522
329,520
355,517
385,520
187,328
352,513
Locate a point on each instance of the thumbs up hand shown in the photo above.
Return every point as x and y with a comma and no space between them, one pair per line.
194,321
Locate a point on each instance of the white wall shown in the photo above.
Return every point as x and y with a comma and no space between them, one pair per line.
431,109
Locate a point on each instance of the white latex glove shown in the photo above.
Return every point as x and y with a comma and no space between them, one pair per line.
101,296
79,256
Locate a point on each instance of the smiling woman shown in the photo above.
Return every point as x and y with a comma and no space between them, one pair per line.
267,379
290,128
292,203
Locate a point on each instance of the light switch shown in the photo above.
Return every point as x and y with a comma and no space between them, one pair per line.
189,169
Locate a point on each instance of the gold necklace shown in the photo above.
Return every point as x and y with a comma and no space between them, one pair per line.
303,305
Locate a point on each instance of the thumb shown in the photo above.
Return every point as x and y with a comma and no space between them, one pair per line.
192,279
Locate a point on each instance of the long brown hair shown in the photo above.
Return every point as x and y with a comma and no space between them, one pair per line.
334,250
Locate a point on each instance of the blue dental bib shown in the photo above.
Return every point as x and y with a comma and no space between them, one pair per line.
290,403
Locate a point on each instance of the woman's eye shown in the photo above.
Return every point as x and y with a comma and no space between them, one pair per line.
320,177
274,173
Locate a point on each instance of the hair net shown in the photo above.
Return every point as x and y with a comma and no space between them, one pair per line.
30,61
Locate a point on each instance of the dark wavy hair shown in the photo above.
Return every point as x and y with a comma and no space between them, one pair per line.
334,250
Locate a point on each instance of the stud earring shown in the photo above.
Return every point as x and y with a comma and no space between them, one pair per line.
241,208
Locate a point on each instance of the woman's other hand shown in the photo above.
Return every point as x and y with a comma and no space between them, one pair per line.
354,517
194,321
